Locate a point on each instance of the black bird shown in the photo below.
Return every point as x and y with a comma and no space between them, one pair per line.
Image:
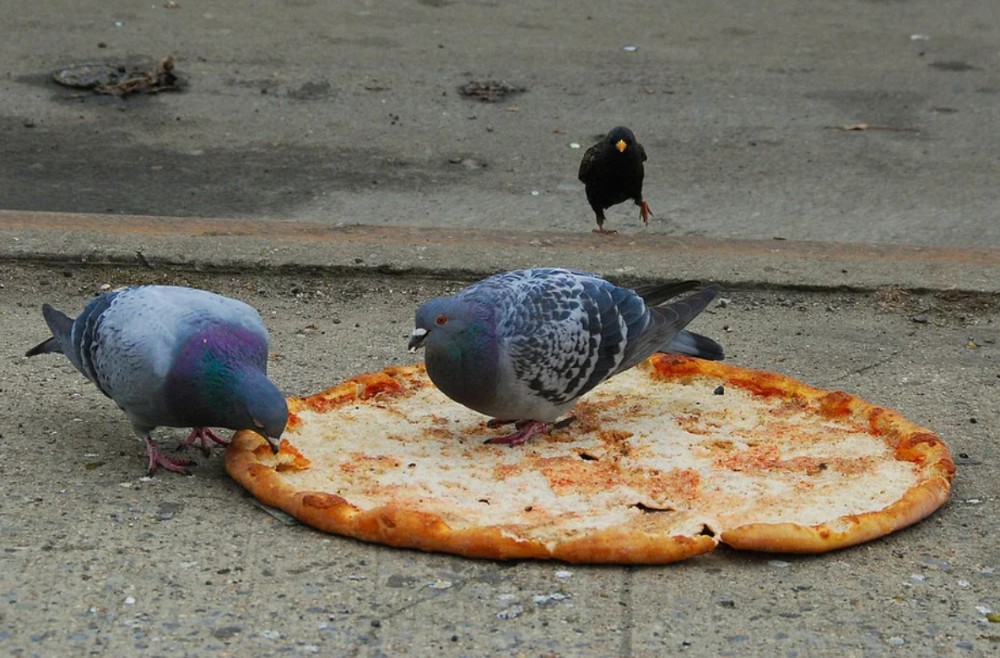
612,172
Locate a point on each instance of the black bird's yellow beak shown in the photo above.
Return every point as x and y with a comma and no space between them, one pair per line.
621,145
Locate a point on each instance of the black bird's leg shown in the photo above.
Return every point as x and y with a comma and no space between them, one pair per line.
600,224
644,211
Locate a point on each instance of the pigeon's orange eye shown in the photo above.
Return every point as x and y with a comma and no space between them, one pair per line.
441,320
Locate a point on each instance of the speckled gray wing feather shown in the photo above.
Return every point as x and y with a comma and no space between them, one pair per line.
622,318
549,336
565,332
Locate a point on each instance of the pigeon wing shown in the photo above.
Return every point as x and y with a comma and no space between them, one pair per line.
565,332
666,321
546,336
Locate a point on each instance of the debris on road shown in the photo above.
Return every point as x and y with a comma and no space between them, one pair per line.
117,80
489,91
861,127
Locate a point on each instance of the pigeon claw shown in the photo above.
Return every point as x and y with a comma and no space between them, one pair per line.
206,436
564,423
157,459
525,430
604,231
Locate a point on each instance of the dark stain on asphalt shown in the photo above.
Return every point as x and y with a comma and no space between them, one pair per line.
97,166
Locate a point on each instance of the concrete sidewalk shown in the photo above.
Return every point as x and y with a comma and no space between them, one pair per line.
281,245
98,560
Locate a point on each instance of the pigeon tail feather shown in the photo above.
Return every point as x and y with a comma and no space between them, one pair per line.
60,325
47,346
692,344
657,293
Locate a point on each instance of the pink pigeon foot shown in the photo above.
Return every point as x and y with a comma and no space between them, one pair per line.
525,430
157,458
204,435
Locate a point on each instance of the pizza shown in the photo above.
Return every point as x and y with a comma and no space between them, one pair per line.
663,462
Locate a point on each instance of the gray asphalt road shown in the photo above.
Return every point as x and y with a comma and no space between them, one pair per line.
351,112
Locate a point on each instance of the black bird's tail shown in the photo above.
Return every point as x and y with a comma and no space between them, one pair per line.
60,325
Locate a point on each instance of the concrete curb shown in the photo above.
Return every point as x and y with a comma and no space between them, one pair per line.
215,244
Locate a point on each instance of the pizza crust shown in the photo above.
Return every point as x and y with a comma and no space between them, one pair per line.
654,468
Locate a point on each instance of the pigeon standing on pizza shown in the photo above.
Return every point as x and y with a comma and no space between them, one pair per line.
524,346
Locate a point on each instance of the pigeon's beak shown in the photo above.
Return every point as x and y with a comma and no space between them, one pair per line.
416,339
275,442
621,145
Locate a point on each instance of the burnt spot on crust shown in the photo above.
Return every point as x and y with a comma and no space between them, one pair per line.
652,509
322,500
